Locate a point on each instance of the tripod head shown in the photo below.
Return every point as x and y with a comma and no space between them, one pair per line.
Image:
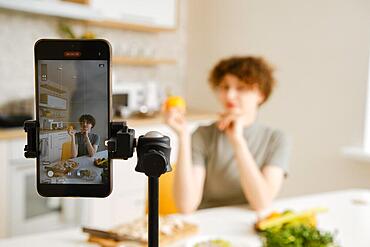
153,149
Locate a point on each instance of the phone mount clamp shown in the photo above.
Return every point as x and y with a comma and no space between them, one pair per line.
31,127
153,153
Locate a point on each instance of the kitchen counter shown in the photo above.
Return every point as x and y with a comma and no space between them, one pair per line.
348,214
12,133
192,115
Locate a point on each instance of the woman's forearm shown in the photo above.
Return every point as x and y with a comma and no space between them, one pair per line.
255,187
187,184
73,147
90,148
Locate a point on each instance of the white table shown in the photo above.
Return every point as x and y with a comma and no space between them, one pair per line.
84,162
349,214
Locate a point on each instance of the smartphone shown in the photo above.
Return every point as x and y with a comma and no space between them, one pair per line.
73,111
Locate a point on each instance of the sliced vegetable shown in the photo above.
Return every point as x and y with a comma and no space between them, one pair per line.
289,216
214,243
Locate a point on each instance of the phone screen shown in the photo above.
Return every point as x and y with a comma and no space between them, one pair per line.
73,110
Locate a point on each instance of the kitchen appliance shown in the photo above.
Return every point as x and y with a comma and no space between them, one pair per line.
56,125
154,96
137,97
128,97
46,123
50,124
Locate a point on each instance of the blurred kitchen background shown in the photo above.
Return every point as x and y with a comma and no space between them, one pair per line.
320,50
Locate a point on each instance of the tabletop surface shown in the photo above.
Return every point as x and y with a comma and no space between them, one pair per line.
348,214
84,162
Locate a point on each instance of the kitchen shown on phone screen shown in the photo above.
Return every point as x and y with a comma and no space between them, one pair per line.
73,115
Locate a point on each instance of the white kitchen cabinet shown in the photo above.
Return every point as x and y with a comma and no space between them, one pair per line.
22,210
11,152
16,149
125,178
51,145
56,140
4,154
28,212
127,201
160,13
12,164
129,207
108,212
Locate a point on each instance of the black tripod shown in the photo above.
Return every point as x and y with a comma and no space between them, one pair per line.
153,152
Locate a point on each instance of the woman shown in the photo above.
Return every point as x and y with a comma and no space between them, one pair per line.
86,143
234,160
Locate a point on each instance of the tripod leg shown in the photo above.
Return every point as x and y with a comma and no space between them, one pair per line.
153,228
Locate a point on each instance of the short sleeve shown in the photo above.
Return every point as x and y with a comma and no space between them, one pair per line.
96,140
77,137
198,147
279,151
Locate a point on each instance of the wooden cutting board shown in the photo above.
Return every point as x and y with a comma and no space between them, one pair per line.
177,234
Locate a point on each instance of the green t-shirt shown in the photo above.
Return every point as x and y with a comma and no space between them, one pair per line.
212,149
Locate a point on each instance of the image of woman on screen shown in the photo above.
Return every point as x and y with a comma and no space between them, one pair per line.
86,143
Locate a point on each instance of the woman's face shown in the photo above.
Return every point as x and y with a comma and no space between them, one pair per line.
85,126
238,97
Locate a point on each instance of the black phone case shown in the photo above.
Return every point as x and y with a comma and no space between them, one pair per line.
62,49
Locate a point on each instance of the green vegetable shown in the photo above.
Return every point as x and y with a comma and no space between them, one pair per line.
296,235
66,31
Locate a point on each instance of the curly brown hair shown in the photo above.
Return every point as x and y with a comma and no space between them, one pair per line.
88,118
250,70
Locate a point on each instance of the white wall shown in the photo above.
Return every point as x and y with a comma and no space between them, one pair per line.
320,50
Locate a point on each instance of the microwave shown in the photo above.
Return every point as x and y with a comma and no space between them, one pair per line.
137,97
56,125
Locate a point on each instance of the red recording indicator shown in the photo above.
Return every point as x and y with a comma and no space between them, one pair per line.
72,54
